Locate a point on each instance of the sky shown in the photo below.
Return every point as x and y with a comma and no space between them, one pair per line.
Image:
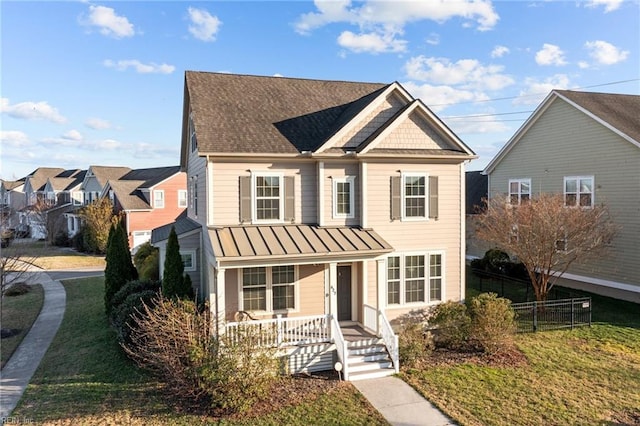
101,83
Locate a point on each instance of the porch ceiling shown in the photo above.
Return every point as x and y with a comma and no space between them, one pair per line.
289,242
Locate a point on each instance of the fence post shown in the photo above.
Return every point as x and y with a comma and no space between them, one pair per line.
572,312
279,329
535,315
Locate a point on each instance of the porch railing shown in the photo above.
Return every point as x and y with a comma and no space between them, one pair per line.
377,320
341,347
281,331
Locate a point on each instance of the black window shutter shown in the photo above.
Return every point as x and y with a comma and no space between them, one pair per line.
289,199
433,197
396,194
245,199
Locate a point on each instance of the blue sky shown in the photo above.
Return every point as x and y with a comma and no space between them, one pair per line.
88,82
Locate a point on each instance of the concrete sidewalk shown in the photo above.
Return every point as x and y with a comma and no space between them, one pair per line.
17,372
400,404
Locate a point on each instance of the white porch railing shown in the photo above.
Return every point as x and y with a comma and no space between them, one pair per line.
341,347
377,321
281,331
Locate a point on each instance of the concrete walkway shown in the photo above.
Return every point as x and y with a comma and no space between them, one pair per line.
400,404
17,372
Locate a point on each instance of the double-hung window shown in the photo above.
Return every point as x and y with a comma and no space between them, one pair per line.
158,199
415,278
182,198
343,197
269,288
519,191
578,191
268,200
414,195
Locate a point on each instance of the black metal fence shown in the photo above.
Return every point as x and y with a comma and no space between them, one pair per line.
553,314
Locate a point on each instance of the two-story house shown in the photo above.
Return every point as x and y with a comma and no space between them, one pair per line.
586,146
13,200
316,206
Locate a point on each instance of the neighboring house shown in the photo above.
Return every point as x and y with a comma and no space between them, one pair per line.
38,201
316,206
64,190
477,185
586,146
148,198
13,200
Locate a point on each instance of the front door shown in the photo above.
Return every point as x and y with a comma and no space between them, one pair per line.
344,293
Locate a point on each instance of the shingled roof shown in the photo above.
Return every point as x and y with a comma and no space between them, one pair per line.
620,111
151,177
38,178
254,114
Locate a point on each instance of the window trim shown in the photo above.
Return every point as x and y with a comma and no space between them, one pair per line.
351,181
269,291
519,181
194,260
185,198
578,193
254,196
157,205
403,196
427,278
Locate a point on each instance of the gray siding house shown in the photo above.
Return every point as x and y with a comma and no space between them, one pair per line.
586,146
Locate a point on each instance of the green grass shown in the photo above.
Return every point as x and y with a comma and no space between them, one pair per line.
47,256
585,376
85,379
19,312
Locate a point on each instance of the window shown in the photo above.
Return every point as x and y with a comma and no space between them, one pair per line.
182,198
343,197
188,260
194,194
267,198
415,278
519,191
414,195
192,134
269,288
158,199
578,191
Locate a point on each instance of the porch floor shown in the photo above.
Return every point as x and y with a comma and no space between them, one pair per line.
354,332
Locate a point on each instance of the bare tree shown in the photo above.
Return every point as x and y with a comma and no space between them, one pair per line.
546,236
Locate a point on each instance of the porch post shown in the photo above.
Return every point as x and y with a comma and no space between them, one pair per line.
333,289
219,300
382,290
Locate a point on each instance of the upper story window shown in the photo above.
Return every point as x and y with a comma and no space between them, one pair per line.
78,197
158,199
519,191
415,278
182,198
578,191
414,196
266,197
192,134
343,197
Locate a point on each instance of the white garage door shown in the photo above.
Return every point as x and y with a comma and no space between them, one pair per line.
139,238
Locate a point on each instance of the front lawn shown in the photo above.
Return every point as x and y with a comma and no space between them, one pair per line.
85,379
18,314
585,376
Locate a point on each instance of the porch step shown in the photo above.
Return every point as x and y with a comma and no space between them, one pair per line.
368,359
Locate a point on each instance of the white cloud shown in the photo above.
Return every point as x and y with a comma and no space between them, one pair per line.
371,42
438,98
14,138
583,65
32,111
380,22
605,53
149,151
468,73
499,51
108,144
97,123
550,54
73,135
139,67
203,26
433,39
536,91
609,5
109,23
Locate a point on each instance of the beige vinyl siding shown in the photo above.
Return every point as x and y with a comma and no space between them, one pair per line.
566,142
415,133
363,129
338,170
232,304
419,236
226,202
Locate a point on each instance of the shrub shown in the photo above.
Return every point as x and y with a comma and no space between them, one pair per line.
415,343
61,239
131,287
452,325
174,340
119,269
77,241
147,261
124,315
17,289
493,325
